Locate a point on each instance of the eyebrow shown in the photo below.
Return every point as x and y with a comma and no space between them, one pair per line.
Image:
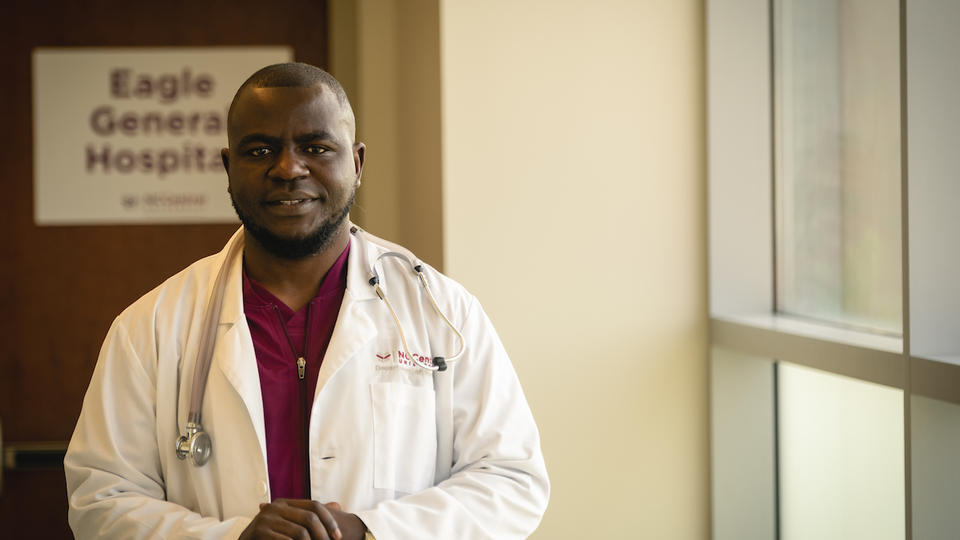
314,135
276,141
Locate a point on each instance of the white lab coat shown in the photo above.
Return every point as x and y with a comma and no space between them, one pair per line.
415,455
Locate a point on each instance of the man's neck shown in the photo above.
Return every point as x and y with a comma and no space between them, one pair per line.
294,282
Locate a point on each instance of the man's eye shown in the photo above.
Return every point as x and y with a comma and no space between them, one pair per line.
259,151
314,149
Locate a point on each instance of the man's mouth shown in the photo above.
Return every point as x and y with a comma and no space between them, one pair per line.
290,202
292,206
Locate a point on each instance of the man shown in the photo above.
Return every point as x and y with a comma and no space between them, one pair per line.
324,417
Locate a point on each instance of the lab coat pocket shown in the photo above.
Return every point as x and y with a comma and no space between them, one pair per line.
405,436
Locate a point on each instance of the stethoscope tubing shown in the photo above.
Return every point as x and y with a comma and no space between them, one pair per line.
211,319
438,363
196,444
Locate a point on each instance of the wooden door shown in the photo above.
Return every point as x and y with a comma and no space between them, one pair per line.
61,287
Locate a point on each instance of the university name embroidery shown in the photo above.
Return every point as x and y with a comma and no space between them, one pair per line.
386,360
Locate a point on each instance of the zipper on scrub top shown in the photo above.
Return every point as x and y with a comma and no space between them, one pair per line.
302,387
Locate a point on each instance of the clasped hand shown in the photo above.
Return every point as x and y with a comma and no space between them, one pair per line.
303,519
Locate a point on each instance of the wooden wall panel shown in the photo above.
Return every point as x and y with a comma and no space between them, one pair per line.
61,287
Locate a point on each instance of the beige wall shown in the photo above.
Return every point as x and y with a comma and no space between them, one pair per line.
573,195
573,206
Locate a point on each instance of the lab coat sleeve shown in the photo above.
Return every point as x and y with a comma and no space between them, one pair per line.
115,483
498,487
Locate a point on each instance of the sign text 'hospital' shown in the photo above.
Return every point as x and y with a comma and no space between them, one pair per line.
133,135
162,91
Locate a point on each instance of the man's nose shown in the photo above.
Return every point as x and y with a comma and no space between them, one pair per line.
289,165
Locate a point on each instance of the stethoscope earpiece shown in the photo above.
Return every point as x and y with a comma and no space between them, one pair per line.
439,363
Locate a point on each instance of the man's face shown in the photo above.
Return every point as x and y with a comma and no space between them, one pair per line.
293,167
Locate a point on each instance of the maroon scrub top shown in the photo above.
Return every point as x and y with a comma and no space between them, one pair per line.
281,336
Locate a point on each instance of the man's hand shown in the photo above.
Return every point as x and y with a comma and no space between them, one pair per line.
351,526
304,519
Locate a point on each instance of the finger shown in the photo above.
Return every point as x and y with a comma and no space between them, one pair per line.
275,526
296,519
324,514
334,506
329,521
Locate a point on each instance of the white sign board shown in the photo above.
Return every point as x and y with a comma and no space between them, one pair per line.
134,135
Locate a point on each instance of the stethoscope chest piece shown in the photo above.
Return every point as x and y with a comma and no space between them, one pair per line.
195,444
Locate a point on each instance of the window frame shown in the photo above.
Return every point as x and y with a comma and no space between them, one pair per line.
925,360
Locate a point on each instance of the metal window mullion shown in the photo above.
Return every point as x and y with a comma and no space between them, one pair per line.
905,277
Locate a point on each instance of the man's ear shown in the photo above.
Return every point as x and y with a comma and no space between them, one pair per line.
359,151
225,156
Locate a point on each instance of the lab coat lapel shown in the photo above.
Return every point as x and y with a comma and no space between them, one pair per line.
354,328
234,353
235,357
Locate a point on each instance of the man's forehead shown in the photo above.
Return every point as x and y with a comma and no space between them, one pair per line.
256,99
264,91
257,104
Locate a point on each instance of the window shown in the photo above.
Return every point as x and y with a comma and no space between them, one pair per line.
837,161
833,262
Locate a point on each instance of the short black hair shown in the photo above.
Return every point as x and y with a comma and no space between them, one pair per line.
295,75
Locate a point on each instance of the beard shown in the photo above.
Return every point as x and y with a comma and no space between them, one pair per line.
298,247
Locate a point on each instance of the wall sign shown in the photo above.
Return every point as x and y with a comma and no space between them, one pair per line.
134,135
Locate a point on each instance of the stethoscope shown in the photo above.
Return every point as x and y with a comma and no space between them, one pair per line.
196,443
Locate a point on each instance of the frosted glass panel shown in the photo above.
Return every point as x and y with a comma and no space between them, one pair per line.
837,161
841,457
935,431
742,429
